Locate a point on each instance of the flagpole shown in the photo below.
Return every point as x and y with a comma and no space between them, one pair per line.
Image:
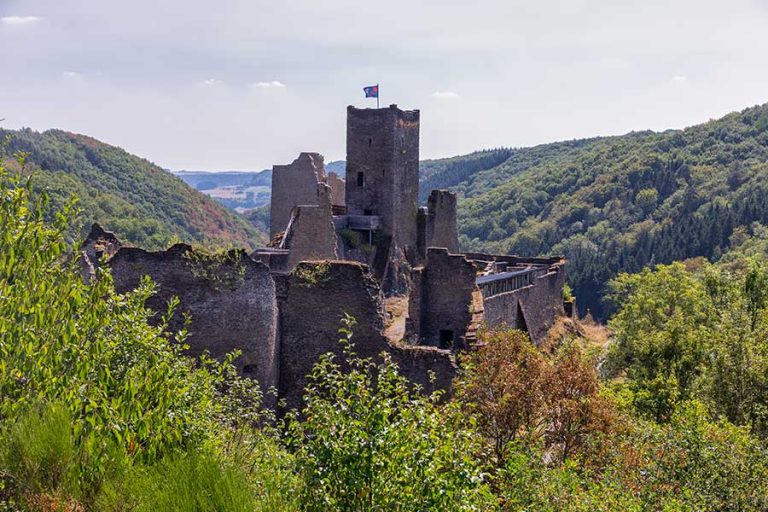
378,93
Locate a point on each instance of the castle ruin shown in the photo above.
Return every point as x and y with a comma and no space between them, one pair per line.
362,247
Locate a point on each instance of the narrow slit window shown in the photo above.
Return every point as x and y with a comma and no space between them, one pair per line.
360,179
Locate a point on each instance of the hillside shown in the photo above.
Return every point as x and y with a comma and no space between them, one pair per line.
144,204
614,204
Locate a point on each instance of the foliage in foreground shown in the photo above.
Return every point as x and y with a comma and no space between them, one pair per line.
91,393
369,443
617,460
101,410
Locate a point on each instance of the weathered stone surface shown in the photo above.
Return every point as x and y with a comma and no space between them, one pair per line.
442,228
446,295
231,302
382,174
314,300
310,235
532,308
337,189
97,245
292,185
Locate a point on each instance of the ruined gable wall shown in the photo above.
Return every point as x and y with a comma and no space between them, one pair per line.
232,305
313,301
442,227
449,280
337,189
541,303
292,185
311,236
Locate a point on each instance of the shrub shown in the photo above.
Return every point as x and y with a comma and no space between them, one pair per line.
368,443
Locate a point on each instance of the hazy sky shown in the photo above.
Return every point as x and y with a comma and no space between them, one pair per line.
244,84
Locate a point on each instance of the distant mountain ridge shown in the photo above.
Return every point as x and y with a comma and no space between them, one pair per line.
141,202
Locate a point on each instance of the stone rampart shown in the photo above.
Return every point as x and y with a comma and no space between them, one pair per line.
446,298
230,299
532,307
313,302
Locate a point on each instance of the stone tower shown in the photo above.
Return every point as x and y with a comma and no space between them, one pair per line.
382,177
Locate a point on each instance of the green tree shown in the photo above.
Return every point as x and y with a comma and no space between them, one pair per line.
662,330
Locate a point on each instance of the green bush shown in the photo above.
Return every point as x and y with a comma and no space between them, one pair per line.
366,442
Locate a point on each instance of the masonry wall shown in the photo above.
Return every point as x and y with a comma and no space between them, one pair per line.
314,299
338,191
446,295
311,235
442,228
292,185
382,173
540,304
232,304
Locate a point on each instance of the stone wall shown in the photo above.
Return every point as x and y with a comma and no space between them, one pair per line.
532,308
446,297
231,302
292,185
337,189
313,302
97,245
442,228
382,173
311,235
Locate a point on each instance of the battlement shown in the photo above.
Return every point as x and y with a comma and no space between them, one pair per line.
392,110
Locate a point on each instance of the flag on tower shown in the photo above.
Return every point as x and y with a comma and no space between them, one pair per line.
372,91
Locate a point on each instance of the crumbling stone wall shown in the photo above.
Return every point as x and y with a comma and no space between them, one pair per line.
442,228
446,297
310,234
382,173
337,189
292,185
313,302
533,307
231,301
97,245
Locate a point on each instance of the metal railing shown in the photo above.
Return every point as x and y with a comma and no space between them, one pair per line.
503,282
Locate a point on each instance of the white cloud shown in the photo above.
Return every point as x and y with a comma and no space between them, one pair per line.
211,82
679,79
274,84
445,95
19,20
73,77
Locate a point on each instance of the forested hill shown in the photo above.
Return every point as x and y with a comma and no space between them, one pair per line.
615,204
142,203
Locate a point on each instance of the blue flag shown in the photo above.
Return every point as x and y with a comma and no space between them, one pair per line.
372,91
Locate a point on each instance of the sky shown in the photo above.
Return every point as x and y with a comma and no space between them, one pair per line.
245,84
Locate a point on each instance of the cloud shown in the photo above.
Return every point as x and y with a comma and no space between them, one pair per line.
274,84
445,95
19,20
679,79
211,82
73,77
